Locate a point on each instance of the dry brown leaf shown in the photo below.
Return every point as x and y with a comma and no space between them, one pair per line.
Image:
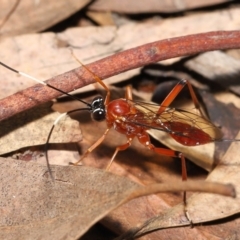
60,154
43,15
31,128
147,6
66,207
214,64
218,67
203,207
225,114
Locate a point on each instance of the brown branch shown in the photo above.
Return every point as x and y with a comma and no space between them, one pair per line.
120,62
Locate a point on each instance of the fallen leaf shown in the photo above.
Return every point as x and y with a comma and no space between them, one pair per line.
217,67
42,15
32,128
202,155
45,209
67,206
225,115
150,6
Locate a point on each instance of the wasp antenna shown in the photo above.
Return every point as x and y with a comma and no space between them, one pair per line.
47,143
23,74
50,133
33,78
43,83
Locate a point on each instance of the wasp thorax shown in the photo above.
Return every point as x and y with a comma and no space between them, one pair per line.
117,108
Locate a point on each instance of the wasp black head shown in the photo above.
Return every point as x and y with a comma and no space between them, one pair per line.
98,109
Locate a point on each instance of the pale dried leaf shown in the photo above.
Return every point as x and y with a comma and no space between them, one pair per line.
224,114
218,67
62,154
202,155
65,208
147,6
31,128
42,14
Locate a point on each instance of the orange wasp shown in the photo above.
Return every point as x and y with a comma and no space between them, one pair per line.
134,118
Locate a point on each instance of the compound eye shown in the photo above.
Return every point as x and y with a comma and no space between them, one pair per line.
98,115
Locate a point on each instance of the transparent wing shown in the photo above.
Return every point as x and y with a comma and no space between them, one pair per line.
185,126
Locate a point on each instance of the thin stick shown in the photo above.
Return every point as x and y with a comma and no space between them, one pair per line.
197,186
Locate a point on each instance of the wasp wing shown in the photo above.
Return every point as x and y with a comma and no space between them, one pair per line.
185,126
